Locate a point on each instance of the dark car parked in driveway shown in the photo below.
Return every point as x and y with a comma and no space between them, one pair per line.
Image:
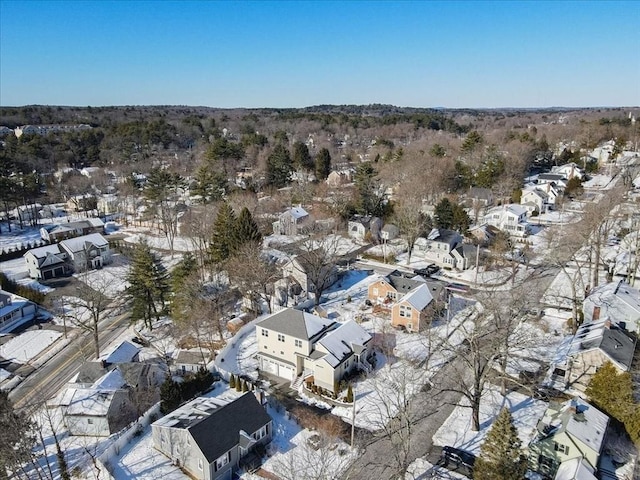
457,459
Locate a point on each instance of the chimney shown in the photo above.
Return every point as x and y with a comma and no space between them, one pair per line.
607,324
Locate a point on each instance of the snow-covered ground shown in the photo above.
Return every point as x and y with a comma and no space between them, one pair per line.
28,345
456,430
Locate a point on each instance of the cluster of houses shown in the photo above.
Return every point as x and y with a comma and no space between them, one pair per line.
570,438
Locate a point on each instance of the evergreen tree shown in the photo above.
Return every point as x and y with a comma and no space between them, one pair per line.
246,230
148,285
461,219
349,398
301,158
223,234
232,381
369,198
612,392
444,214
323,164
500,455
210,183
170,396
185,269
279,167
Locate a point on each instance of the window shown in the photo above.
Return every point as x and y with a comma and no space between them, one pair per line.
200,467
405,311
298,343
223,460
260,433
90,421
562,448
280,337
375,292
265,333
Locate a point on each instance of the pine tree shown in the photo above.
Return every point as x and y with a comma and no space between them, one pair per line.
16,435
223,234
349,398
148,285
500,455
246,230
170,396
279,167
232,381
323,164
301,157
609,390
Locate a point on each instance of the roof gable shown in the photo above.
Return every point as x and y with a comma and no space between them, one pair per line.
297,323
419,297
342,342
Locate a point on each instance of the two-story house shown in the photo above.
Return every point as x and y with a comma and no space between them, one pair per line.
535,200
87,252
362,227
310,272
293,343
292,222
442,247
617,301
62,231
511,219
15,311
568,171
594,344
411,311
47,262
209,437
568,431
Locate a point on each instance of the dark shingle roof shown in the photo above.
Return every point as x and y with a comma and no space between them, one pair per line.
297,323
220,432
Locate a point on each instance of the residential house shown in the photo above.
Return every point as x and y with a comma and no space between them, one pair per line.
47,262
510,218
292,222
617,301
411,311
100,409
87,252
339,178
482,197
15,311
188,361
575,469
81,203
294,344
535,200
305,273
557,178
442,247
364,227
568,170
594,344
210,437
553,191
124,352
389,232
568,431
63,231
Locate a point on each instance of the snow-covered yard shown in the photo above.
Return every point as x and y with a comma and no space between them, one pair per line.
28,345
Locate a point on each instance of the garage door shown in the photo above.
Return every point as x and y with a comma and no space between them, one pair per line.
286,372
270,367
48,274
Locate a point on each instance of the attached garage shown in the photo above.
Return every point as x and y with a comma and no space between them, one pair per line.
278,369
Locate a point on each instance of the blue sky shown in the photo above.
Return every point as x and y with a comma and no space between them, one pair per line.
295,54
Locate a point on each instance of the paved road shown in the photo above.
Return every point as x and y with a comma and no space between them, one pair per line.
45,382
430,409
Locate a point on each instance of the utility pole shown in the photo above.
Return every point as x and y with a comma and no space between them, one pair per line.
353,418
477,263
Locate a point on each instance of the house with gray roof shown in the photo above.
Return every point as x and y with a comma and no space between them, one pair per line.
15,311
293,344
442,247
568,431
510,218
210,438
292,221
412,311
617,301
87,252
594,344
47,262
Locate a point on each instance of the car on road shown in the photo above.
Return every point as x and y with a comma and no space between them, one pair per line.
428,270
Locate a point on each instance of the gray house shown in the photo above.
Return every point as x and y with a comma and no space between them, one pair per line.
292,221
210,437
87,252
442,247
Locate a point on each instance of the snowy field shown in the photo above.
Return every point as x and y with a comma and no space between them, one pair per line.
456,430
28,345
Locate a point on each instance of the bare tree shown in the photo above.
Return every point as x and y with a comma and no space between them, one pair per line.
253,273
317,259
198,226
91,306
410,221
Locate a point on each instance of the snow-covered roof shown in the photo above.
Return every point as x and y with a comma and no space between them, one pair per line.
125,352
298,212
88,401
607,337
580,420
42,252
342,342
111,380
575,469
419,297
296,323
78,244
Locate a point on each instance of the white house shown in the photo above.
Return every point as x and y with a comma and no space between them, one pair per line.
210,438
360,226
535,200
442,247
87,252
292,221
511,219
47,262
15,311
569,171
295,344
